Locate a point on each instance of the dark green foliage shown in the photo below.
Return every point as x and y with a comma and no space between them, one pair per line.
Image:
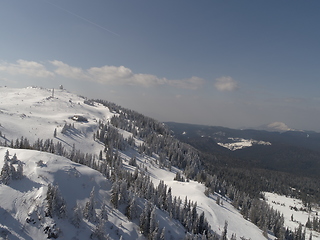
56,205
8,171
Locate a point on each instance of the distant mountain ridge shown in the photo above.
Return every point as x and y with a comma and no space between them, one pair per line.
291,151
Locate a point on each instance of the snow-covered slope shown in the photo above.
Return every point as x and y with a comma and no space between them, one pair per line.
23,201
216,214
294,212
35,113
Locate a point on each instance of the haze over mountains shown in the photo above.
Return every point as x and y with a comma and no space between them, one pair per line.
75,168
289,151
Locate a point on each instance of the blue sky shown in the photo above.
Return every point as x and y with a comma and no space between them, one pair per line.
229,63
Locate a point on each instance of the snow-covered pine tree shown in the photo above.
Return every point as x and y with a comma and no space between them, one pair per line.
123,192
225,230
155,235
14,159
233,236
132,210
153,220
19,171
76,217
56,205
12,170
133,161
169,206
163,234
5,172
104,212
89,211
99,232
115,194
144,222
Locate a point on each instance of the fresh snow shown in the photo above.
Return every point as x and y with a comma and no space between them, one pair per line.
240,143
34,113
23,199
194,191
287,207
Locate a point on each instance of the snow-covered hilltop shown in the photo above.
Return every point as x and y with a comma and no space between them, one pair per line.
35,114
79,169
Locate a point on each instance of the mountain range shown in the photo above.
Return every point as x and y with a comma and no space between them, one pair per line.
75,168
296,152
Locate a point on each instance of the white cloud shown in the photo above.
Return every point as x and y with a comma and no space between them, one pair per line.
278,126
67,71
103,75
122,76
23,67
226,84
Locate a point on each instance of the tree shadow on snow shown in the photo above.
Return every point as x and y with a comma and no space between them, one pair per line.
12,224
24,185
122,231
63,141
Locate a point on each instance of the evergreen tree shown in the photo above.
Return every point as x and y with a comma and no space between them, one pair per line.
12,171
155,235
56,205
89,211
218,200
5,173
133,161
123,192
115,194
152,220
132,211
233,236
144,222
163,234
19,171
225,230
14,159
104,212
76,216
99,232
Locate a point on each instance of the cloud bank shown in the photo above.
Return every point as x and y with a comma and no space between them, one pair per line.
29,68
122,76
102,75
225,84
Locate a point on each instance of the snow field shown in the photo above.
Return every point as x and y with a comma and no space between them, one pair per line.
34,113
285,205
